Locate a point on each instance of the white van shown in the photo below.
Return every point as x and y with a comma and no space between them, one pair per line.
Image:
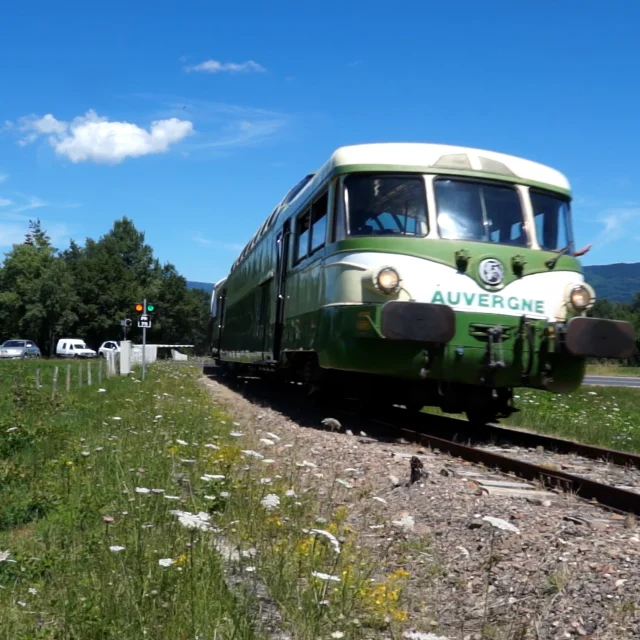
73,348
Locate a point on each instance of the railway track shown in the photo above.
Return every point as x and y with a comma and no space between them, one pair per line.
457,438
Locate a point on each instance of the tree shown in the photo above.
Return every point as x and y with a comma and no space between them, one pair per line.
111,275
37,296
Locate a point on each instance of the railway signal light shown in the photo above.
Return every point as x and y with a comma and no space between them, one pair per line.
150,307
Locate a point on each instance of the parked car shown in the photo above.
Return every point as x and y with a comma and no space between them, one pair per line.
14,349
74,348
110,346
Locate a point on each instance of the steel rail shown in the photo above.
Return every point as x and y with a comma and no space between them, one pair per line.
414,428
524,438
604,495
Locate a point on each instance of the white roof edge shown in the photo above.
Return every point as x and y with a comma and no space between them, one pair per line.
426,154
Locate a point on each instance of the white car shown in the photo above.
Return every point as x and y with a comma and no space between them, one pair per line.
74,348
110,346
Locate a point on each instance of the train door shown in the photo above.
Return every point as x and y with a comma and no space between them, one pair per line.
220,320
264,319
282,263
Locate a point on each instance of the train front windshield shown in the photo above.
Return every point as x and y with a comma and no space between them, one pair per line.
552,216
480,212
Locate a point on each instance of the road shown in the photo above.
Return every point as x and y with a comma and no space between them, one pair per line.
612,381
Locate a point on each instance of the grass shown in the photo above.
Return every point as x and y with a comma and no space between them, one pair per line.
136,512
604,416
612,370
608,417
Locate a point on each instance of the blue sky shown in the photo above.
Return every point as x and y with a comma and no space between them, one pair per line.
248,99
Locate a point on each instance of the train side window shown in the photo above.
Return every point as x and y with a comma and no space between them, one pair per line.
319,222
302,236
338,231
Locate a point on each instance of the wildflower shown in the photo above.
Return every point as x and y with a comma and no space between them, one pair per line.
419,635
182,442
85,454
172,497
22,604
344,483
290,493
193,521
10,429
236,434
265,480
250,569
158,417
102,390
253,454
33,591
116,418
207,477
304,463
270,501
499,523
107,519
334,541
142,490
224,494
406,523
337,634
212,446
157,491
4,556
116,548
165,562
324,576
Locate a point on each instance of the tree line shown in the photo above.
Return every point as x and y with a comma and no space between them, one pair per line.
85,291
629,311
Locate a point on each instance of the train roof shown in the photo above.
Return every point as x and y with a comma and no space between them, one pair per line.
416,156
436,157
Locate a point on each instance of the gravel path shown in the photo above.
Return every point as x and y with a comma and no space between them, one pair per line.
545,565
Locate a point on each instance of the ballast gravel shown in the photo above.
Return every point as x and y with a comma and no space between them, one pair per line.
484,551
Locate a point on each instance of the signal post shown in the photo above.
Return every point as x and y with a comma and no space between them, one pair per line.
144,323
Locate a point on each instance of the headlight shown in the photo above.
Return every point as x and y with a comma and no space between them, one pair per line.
580,297
387,280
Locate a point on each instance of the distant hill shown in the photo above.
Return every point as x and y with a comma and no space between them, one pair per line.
205,286
616,282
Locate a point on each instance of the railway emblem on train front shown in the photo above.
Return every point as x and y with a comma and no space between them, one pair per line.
491,271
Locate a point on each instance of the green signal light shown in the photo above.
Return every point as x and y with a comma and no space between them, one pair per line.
150,307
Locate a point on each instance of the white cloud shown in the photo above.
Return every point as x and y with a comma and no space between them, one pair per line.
92,138
32,202
618,222
215,66
5,202
205,242
3,177
12,233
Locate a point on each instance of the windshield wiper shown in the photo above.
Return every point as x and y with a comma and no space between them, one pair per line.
552,261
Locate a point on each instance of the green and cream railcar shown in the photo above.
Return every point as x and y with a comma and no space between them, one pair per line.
430,274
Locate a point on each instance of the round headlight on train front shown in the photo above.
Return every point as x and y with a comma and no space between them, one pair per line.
580,297
387,280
